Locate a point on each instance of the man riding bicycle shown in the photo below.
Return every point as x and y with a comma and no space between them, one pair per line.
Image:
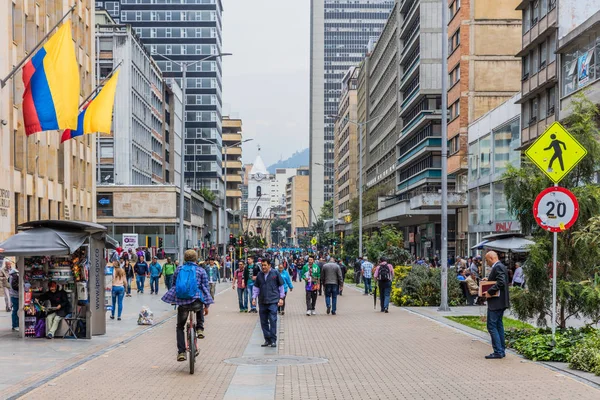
195,300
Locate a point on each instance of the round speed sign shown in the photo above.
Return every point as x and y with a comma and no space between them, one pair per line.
556,209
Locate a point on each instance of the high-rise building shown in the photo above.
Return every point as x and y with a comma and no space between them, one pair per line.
40,178
297,204
186,31
340,33
173,132
232,138
346,146
134,153
483,73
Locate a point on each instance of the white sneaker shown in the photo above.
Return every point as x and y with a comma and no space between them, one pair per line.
313,312
308,312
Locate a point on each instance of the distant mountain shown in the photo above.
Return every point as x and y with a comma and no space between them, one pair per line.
298,159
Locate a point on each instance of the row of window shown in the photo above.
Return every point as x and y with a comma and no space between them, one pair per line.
129,16
202,166
204,66
177,32
535,11
187,2
176,49
453,8
540,56
483,200
454,75
454,41
539,108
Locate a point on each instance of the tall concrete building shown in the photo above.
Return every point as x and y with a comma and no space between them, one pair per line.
186,30
278,189
232,137
173,132
483,73
340,33
346,146
40,178
134,153
297,206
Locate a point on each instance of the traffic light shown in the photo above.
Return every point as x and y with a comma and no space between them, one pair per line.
160,243
231,239
241,241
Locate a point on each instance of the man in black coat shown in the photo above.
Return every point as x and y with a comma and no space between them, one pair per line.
497,305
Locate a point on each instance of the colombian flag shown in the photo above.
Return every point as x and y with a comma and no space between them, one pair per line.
51,78
96,115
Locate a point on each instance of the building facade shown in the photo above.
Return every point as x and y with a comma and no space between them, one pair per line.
134,153
482,74
173,132
297,204
346,146
232,159
260,214
187,31
340,33
494,141
40,178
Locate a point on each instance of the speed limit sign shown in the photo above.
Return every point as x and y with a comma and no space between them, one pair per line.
556,209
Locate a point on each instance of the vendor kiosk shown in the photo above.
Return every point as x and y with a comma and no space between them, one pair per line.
70,253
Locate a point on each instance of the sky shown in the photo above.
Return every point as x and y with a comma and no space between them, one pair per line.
266,80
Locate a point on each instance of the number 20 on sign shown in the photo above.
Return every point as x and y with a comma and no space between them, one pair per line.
556,209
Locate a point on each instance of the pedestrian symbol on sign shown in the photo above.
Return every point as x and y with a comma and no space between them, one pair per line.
556,146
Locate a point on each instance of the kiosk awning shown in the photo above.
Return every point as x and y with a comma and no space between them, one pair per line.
513,245
43,242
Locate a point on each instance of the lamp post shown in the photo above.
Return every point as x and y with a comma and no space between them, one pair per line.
360,176
184,66
225,184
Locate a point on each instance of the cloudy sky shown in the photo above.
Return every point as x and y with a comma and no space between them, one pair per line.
266,80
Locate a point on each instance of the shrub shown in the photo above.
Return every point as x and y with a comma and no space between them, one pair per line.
422,287
537,345
349,278
585,355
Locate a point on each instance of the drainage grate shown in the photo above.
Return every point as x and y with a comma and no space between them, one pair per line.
276,361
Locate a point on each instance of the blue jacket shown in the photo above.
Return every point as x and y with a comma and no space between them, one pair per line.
287,281
155,269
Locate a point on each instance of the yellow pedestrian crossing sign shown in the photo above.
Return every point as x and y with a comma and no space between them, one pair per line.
556,152
313,241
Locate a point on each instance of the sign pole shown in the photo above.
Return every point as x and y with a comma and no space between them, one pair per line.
554,262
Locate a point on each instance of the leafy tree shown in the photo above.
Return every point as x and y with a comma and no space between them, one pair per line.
370,200
326,210
577,253
389,243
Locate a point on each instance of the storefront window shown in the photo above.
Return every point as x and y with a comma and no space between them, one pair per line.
485,205
580,67
500,204
473,161
484,156
473,207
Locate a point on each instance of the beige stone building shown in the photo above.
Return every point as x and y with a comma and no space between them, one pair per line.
232,159
40,178
483,72
297,203
346,146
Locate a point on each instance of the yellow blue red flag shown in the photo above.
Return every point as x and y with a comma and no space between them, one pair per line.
51,78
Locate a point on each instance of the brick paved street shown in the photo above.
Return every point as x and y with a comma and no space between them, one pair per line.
370,356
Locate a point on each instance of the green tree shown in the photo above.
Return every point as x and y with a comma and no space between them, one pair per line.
577,254
370,201
326,210
389,243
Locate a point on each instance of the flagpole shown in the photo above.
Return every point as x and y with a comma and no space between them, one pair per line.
24,60
98,85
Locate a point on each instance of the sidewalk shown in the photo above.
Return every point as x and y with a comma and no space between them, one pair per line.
364,354
26,361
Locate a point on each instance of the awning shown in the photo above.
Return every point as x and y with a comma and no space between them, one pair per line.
43,242
513,245
479,245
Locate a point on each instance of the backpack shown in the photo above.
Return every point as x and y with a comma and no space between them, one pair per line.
384,273
14,282
186,286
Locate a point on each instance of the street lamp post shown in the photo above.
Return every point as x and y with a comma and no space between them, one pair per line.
360,126
184,65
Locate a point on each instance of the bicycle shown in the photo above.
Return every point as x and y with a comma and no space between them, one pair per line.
191,338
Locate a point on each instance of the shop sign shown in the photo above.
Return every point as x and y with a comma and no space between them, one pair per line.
4,202
130,241
504,226
411,237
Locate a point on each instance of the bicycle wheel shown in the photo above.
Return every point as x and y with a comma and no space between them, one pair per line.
192,349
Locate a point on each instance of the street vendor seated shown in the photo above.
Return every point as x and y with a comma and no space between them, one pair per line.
59,307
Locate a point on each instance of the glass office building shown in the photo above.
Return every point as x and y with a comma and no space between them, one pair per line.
340,33
186,30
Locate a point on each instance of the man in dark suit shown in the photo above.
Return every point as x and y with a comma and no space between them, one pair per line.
497,305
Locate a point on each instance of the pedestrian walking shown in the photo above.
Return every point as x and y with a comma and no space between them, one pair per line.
344,269
133,257
238,280
119,284
321,263
366,271
129,274
384,274
168,270
155,274
13,282
358,270
331,275
250,274
214,276
498,301
311,274
519,276
287,285
269,290
4,285
141,271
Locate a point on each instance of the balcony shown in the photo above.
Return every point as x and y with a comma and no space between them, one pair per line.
234,193
433,201
233,151
235,178
231,138
534,84
538,32
232,164
457,162
536,128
